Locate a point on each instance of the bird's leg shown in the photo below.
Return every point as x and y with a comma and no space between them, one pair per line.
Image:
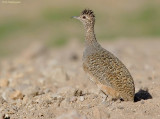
104,96
110,93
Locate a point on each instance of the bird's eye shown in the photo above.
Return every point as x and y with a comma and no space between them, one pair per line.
84,17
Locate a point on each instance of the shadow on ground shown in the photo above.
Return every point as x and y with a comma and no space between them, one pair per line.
142,95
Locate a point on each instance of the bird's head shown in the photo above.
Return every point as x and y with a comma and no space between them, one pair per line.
87,17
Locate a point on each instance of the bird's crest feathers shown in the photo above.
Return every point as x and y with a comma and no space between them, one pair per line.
88,12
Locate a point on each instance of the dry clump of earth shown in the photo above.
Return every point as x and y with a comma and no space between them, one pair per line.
44,83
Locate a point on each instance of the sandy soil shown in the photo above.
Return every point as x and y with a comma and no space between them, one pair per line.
46,83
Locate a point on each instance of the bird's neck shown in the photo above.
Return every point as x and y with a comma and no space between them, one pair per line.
90,38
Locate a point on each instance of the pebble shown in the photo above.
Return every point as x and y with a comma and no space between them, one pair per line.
142,102
73,99
42,80
89,106
81,98
120,107
144,88
48,101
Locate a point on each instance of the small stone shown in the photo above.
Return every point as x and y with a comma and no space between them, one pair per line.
120,107
48,102
89,106
144,88
142,102
41,80
4,83
81,98
16,95
73,99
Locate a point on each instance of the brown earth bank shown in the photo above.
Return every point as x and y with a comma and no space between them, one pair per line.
42,83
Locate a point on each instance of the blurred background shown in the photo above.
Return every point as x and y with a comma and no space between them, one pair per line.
23,22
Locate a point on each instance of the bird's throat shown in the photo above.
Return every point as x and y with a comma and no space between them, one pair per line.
90,37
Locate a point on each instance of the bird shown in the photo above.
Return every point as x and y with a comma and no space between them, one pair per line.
104,69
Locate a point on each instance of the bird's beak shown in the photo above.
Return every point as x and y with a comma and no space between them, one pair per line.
75,17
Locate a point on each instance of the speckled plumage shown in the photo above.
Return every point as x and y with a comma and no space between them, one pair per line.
106,70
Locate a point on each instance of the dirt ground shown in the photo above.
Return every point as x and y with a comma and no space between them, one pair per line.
42,83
